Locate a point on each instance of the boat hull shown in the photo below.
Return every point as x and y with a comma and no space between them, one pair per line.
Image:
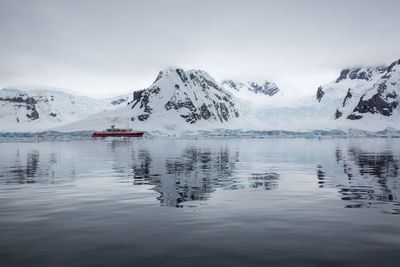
117,134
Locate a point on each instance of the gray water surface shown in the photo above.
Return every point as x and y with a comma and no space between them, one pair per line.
252,202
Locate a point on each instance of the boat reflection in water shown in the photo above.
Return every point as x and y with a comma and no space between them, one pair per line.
116,132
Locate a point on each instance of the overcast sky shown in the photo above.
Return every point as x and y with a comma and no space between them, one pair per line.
97,46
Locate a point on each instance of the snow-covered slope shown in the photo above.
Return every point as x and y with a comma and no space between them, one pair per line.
177,100
38,109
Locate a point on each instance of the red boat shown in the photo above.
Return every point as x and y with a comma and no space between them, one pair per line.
117,132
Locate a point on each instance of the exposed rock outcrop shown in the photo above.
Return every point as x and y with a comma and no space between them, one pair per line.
320,94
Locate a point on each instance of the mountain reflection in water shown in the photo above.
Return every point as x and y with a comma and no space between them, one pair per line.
371,178
191,175
193,172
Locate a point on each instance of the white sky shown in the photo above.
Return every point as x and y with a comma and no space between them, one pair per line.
106,47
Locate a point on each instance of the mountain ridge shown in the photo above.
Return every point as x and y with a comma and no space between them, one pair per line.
364,98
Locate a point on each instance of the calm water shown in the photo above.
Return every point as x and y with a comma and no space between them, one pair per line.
254,202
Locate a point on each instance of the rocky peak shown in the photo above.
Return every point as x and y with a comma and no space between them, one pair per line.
192,95
263,87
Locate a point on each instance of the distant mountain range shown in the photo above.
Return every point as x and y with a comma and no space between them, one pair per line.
264,87
364,98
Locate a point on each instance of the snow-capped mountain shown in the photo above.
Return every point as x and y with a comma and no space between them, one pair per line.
38,109
177,99
260,87
192,95
363,93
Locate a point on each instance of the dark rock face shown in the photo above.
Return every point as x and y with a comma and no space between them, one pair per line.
192,116
343,75
223,111
31,100
143,117
338,114
347,97
376,104
204,112
359,73
24,101
382,102
354,117
137,95
143,97
34,115
204,82
20,99
186,103
119,101
320,93
182,75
